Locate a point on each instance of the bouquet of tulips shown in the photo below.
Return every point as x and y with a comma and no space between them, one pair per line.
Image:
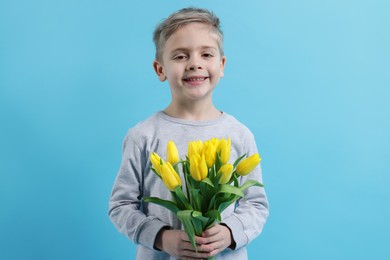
211,182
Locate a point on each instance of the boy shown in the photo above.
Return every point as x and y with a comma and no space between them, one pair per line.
189,56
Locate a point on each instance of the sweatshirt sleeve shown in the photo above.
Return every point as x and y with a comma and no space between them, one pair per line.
125,201
251,212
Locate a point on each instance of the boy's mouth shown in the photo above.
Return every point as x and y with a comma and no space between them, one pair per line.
195,79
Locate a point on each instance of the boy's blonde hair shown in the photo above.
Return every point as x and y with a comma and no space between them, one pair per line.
180,18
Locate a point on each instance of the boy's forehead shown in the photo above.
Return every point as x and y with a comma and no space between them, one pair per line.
195,27
193,34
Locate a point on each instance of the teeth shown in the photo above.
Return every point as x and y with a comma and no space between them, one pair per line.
195,79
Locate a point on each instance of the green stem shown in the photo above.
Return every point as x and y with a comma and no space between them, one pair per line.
188,184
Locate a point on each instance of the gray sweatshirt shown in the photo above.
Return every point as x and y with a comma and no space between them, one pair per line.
141,222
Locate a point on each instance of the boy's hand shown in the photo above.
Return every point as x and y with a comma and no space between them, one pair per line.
218,238
177,244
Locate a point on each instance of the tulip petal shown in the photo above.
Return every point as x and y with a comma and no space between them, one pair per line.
172,153
248,164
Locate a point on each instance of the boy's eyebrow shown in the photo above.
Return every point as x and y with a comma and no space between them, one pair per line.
187,49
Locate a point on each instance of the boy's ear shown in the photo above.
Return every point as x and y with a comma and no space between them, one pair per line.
159,69
222,67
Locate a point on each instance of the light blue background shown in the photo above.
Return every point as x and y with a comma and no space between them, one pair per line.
310,78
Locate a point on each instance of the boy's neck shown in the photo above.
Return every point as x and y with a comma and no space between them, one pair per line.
193,113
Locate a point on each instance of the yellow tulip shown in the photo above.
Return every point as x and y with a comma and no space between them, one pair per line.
215,141
170,177
226,171
248,164
194,147
177,176
172,153
198,167
157,162
209,151
224,150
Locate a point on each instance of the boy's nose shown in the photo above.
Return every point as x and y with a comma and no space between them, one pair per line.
194,65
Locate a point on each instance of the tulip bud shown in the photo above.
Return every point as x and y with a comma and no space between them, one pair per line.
172,153
209,151
215,141
248,164
194,147
157,162
226,173
224,150
170,177
198,167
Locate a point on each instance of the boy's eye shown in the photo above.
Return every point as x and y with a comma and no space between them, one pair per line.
207,55
180,57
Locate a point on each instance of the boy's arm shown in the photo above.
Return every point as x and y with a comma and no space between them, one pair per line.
251,212
124,206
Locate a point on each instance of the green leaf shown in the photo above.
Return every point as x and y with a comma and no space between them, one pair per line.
198,222
198,215
250,183
217,178
224,204
176,167
153,170
178,202
188,187
218,162
208,181
205,190
192,183
186,167
211,203
214,216
198,227
226,188
165,203
221,198
217,199
210,173
196,199
235,179
185,217
238,160
182,198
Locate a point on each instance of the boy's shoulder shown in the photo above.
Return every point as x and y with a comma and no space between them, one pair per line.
144,126
237,124
160,122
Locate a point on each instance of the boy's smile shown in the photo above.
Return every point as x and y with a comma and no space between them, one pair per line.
195,80
192,63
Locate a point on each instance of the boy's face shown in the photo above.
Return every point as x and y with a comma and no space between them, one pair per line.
191,62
